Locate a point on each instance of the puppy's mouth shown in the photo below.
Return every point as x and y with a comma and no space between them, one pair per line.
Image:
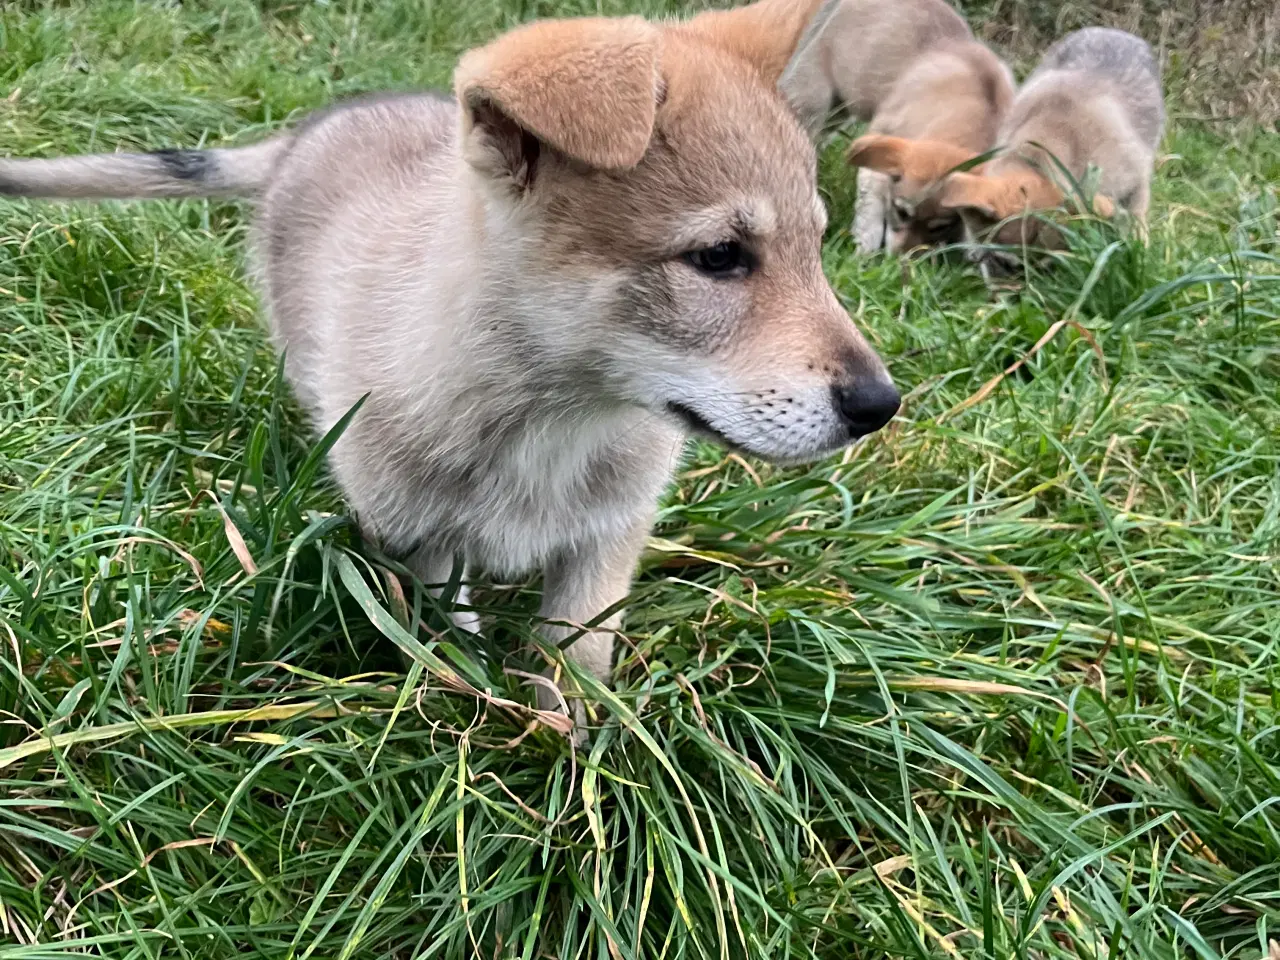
997,265
698,424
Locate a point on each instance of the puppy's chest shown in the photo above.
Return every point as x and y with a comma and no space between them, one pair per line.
551,488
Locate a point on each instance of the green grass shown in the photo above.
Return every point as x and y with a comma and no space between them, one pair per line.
1003,683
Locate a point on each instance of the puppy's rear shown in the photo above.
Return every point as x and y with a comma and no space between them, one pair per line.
1094,98
1130,65
957,93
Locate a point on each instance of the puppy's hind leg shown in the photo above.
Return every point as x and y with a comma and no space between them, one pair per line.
578,585
1139,204
435,568
871,212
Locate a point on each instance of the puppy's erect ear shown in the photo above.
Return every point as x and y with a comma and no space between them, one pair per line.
781,39
587,87
880,153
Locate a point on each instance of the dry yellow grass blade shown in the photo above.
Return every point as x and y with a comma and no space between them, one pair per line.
234,537
116,731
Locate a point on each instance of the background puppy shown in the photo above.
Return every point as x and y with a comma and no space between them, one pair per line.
951,99
611,239
910,67
1093,102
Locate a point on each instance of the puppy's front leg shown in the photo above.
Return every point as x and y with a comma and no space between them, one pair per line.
434,568
871,211
578,585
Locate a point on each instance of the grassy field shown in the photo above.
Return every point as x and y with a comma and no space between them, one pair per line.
1001,683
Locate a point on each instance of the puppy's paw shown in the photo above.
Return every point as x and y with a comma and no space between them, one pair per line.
869,236
467,620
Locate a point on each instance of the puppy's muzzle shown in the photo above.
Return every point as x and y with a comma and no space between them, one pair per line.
866,405
998,265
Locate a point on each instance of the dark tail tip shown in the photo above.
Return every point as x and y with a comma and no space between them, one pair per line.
185,164
10,187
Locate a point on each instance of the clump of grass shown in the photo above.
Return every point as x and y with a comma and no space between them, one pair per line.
1000,682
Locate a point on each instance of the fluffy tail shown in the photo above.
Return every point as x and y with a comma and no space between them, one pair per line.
236,172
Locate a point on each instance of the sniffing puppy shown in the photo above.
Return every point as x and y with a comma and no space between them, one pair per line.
949,102
610,240
1093,103
914,70
898,197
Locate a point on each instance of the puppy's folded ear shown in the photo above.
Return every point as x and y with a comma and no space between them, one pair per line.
972,192
783,40
881,153
586,87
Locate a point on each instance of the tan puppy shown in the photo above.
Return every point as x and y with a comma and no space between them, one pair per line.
1093,103
952,98
612,239
913,69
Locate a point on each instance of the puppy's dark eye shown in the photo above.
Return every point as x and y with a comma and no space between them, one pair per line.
722,261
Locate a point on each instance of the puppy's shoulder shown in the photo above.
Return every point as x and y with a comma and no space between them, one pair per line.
384,121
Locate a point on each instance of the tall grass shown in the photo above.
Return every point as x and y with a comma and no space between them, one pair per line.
1000,683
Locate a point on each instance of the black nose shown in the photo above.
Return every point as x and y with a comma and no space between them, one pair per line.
866,405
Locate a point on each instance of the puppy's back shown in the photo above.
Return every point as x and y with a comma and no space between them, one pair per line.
957,93
1102,50
871,42
1123,65
364,187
